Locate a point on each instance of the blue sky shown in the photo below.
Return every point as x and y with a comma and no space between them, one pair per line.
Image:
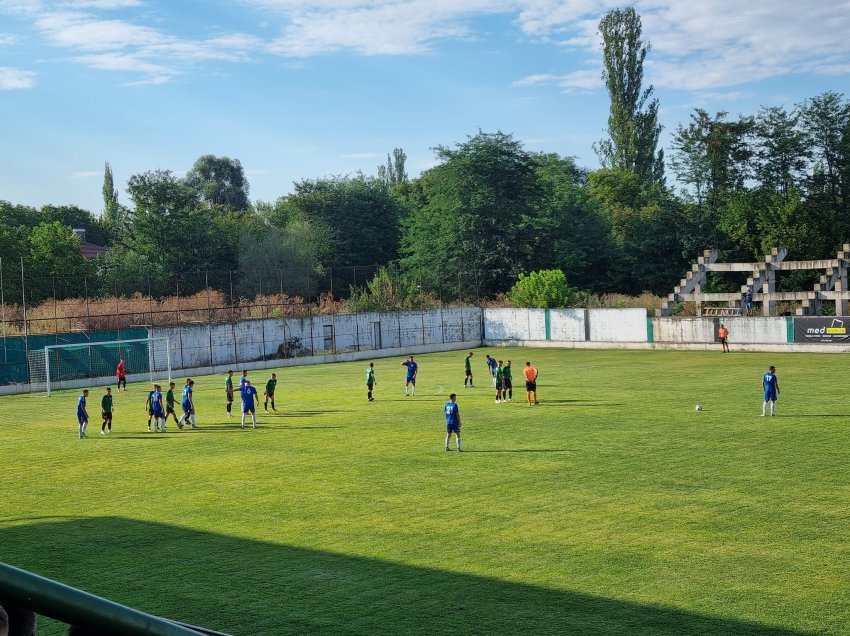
297,89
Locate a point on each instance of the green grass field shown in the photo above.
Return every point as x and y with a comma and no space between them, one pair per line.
611,508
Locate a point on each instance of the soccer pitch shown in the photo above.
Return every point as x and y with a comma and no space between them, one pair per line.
613,507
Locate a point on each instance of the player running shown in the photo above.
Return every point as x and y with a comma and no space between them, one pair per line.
249,395
491,367
507,382
121,372
530,374
228,389
370,381
106,411
187,403
467,370
499,382
269,393
82,413
452,421
412,371
770,384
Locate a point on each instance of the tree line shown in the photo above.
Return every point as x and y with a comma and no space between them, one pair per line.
488,211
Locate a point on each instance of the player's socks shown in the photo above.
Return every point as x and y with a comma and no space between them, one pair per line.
192,418
772,409
763,409
458,443
253,421
273,408
243,420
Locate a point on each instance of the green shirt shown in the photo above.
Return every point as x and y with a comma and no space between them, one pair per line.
270,385
499,374
169,398
228,384
106,404
370,375
467,364
506,373
148,402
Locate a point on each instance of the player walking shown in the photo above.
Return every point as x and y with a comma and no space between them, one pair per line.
412,371
370,381
467,370
187,403
269,394
500,377
149,406
530,374
169,405
106,411
157,408
491,366
770,384
249,395
452,421
121,372
82,413
507,382
723,336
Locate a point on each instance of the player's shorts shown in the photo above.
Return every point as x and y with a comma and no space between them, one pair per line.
249,408
723,341
158,412
453,427
468,373
107,417
498,386
150,412
269,395
530,386
187,408
122,378
369,386
411,380
229,397
770,396
81,418
506,384
169,409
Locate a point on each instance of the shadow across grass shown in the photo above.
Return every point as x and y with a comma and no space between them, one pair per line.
251,587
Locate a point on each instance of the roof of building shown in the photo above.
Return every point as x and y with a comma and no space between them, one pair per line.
90,250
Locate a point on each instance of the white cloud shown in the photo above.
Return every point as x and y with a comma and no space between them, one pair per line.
87,174
576,80
15,78
8,39
101,4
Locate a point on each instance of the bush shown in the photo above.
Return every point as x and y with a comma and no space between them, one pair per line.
546,288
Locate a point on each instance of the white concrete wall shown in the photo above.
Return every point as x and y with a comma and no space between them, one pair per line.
566,324
617,325
753,330
514,324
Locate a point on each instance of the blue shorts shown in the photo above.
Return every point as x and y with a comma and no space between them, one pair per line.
82,418
452,427
770,396
187,408
158,413
411,380
248,408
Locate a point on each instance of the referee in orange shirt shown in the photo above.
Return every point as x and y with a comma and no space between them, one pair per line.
530,374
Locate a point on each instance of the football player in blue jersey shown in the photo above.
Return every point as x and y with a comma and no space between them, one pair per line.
771,391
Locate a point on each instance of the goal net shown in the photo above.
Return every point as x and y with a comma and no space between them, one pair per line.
73,365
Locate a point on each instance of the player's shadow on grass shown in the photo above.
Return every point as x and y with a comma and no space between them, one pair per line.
244,587
521,450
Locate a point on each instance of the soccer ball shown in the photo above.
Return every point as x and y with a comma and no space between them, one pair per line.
698,407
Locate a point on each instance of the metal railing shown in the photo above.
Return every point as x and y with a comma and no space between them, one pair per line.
75,607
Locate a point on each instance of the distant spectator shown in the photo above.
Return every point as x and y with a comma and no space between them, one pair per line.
723,335
747,302
21,621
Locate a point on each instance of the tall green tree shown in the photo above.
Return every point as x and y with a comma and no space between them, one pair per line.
219,182
475,227
633,128
826,122
114,215
53,263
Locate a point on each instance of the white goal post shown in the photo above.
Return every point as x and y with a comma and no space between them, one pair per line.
74,365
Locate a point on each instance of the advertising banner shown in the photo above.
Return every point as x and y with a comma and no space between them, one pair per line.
822,330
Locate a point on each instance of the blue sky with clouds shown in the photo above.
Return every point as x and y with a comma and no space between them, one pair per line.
297,89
